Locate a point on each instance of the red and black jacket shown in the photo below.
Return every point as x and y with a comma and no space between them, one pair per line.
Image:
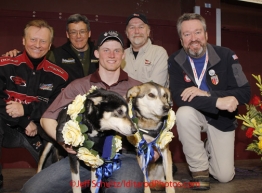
34,88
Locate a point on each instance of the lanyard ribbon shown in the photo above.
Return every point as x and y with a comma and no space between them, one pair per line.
199,80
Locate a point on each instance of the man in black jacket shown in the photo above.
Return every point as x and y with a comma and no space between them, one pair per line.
77,55
28,85
207,84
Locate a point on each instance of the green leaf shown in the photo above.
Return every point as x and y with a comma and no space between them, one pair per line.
113,149
83,128
93,152
88,144
79,118
83,110
135,120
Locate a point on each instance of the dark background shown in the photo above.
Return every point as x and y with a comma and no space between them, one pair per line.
241,30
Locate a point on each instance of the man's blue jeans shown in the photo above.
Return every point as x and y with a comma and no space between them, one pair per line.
57,178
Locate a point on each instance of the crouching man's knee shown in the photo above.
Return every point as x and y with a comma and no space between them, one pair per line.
225,177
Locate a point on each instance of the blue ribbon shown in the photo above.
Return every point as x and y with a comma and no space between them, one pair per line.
110,165
147,151
107,169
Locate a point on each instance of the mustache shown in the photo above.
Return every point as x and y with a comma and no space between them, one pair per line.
193,42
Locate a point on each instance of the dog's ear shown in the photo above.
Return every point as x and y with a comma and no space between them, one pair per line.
169,98
89,106
97,100
132,92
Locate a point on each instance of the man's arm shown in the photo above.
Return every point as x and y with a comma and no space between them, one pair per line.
49,125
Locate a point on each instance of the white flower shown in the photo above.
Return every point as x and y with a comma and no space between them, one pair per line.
171,118
72,134
134,139
118,143
92,89
76,106
89,159
164,139
130,113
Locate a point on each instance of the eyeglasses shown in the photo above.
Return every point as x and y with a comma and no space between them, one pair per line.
75,33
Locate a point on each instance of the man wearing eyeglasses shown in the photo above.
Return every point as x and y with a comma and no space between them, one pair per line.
77,55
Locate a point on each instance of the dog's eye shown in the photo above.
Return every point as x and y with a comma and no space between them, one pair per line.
165,95
119,111
151,95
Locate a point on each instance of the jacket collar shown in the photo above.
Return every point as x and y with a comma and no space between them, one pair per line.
182,57
95,77
144,48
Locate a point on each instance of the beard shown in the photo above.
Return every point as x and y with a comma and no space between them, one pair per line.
138,40
197,52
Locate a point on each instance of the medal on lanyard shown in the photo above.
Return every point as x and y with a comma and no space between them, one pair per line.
199,80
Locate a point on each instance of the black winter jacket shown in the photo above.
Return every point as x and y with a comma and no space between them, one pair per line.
67,59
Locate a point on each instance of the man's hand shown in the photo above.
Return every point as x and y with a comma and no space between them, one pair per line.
228,103
12,53
189,93
156,155
14,109
31,129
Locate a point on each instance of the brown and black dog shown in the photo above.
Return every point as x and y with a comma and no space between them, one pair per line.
152,112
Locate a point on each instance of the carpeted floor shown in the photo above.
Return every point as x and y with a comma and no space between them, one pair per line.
248,179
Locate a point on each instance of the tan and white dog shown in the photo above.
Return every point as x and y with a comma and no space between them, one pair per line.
150,105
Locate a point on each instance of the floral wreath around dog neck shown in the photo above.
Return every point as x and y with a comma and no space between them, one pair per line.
165,136
74,134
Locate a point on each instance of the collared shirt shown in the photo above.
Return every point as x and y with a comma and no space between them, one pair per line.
149,65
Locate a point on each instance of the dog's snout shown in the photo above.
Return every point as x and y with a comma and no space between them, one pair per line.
166,108
133,130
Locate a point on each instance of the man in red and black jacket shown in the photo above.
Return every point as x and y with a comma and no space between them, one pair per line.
28,85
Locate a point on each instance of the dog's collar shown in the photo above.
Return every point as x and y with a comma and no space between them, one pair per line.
152,133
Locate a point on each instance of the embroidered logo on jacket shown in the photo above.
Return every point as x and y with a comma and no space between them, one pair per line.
93,60
68,61
18,80
43,86
147,62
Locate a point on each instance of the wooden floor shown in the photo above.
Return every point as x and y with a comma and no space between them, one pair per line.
248,179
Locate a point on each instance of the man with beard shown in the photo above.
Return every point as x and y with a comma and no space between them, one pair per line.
143,60
207,84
